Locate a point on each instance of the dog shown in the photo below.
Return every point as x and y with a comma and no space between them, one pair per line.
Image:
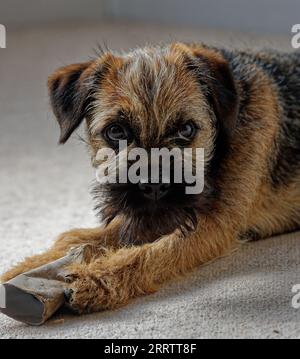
242,107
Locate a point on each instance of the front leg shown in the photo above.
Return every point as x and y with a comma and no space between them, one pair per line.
113,280
107,237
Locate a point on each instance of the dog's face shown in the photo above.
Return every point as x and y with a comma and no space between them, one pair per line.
176,96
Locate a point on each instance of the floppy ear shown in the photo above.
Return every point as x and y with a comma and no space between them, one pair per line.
215,75
69,96
223,93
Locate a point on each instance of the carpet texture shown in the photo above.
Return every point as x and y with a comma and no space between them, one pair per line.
44,191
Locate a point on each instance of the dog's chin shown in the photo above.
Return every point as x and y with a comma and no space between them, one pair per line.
151,224
146,220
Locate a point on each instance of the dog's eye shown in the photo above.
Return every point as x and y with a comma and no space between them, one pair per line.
187,131
116,132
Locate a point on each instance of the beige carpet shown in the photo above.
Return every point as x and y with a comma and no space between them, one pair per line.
44,191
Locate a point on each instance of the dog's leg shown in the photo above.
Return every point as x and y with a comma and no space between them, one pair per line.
114,279
107,237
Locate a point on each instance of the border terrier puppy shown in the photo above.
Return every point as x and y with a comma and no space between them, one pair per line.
243,108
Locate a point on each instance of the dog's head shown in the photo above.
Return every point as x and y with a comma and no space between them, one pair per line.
178,96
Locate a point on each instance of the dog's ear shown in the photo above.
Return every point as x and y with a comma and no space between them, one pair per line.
216,78
69,96
222,92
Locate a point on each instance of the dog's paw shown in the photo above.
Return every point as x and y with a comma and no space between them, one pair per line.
86,295
108,283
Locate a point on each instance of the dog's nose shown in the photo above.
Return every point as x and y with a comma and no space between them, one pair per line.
154,191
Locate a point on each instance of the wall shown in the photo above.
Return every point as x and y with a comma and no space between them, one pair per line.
31,12
274,16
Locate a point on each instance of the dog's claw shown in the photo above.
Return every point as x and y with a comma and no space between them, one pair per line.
68,294
69,301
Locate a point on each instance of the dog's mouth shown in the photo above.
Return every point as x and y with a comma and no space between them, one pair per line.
147,218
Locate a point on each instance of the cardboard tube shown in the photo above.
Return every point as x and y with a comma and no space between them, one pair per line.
33,297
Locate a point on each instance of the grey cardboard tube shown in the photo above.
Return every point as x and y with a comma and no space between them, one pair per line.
33,297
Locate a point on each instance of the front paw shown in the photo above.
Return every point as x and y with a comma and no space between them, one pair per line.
87,295
108,283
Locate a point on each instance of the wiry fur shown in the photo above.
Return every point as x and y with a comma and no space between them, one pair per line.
247,107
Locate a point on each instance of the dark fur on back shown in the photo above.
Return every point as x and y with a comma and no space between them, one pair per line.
284,70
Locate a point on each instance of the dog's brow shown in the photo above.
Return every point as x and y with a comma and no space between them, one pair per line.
100,119
106,118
